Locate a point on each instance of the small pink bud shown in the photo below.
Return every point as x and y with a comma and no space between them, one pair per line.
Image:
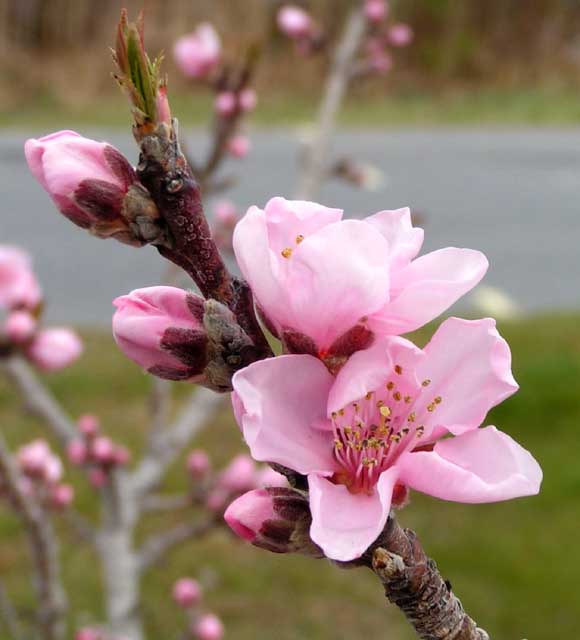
225,103
199,53
239,146
89,425
87,634
248,100
18,285
246,515
239,475
20,326
187,592
55,349
161,329
77,452
294,22
400,35
103,450
98,478
34,457
376,10
62,496
198,463
208,627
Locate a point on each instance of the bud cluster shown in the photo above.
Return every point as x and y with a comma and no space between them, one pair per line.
188,593
98,453
48,349
41,476
298,25
383,36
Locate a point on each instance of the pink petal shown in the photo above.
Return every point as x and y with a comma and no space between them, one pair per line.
337,276
469,365
368,370
282,397
345,524
404,240
427,287
484,465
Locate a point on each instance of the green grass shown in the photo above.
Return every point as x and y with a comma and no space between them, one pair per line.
535,106
514,564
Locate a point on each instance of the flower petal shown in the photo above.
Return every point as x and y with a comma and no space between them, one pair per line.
404,240
282,398
469,365
427,287
345,524
484,465
335,277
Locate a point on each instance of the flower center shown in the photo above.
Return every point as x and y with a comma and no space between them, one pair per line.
370,434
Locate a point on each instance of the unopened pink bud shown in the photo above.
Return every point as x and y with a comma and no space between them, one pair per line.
208,627
18,285
225,103
19,326
248,100
62,496
199,53
162,104
187,592
89,425
376,10
87,634
400,35
77,452
103,450
294,22
239,475
246,515
239,146
55,349
198,463
34,457
98,478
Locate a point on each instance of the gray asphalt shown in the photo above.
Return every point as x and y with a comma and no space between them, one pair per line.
513,194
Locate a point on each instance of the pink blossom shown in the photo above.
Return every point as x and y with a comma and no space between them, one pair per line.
400,35
239,146
248,513
198,463
55,349
33,457
77,452
239,475
161,329
226,103
376,10
62,496
187,592
103,450
18,285
89,425
208,627
382,422
198,53
248,100
19,326
294,22
86,179
267,477
321,282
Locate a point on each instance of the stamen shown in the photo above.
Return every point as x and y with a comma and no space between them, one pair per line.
287,252
397,396
426,383
299,238
438,400
398,369
408,399
431,407
385,411
390,386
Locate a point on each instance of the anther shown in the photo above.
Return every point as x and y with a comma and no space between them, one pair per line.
299,238
426,383
287,252
398,369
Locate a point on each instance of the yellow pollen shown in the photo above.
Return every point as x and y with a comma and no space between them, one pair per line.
338,444
398,369
341,412
397,396
437,400
426,383
299,238
369,395
385,411
407,399
286,253
412,417
390,385
431,407
396,437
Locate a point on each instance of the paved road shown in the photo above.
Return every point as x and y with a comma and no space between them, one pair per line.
513,194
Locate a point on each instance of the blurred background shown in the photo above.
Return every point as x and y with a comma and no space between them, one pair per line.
477,128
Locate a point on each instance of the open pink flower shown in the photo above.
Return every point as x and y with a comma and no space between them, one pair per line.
379,425
18,285
198,54
318,277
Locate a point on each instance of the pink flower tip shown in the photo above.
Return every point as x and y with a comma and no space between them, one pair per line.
208,627
20,326
55,349
89,425
103,450
400,35
225,103
294,22
18,285
198,463
246,515
187,592
376,10
62,496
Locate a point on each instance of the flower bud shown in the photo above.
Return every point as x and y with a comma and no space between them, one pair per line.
248,100
77,452
18,285
239,475
376,10
103,450
400,35
62,496
276,519
187,592
239,146
294,22
54,349
89,425
208,627
161,329
34,457
198,463
225,103
19,326
199,53
94,186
